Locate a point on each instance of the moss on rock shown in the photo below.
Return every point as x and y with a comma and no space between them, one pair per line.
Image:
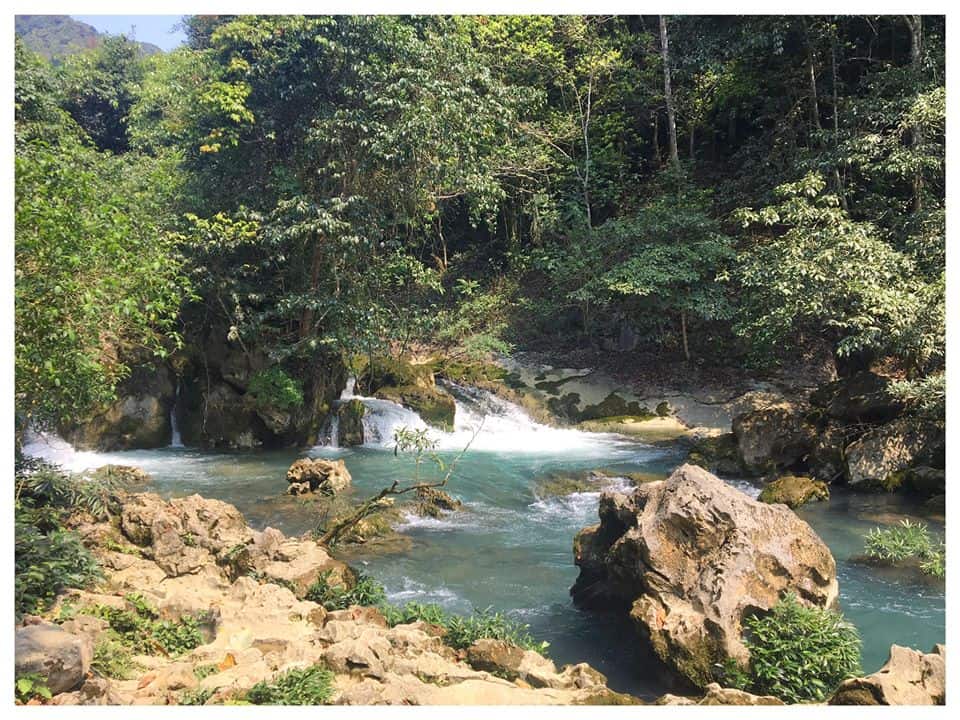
794,491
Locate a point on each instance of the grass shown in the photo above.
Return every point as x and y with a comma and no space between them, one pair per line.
113,659
366,591
905,541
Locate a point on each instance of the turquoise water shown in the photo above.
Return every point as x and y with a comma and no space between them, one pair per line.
511,550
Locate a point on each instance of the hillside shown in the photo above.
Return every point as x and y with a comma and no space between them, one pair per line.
58,35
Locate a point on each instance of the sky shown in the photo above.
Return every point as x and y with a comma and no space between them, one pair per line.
156,29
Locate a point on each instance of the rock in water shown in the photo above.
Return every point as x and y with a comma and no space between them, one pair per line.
691,557
326,476
909,677
773,437
794,491
878,458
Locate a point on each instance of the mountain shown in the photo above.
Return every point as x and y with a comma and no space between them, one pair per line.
55,36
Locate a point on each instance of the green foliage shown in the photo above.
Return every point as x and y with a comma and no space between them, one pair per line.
201,672
301,686
828,271
908,540
197,696
113,659
48,558
97,272
140,630
797,653
462,632
30,686
366,591
274,388
926,396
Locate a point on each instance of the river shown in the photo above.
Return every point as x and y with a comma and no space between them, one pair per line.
510,549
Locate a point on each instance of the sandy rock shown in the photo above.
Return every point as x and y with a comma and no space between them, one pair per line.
690,557
909,677
326,476
53,653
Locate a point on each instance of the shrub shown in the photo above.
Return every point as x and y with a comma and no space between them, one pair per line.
797,653
274,388
140,630
462,632
301,686
366,591
112,659
48,559
908,540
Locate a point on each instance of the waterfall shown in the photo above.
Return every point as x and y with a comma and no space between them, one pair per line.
499,425
175,440
334,440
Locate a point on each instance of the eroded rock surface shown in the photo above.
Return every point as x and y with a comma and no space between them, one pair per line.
318,475
909,677
690,558
794,491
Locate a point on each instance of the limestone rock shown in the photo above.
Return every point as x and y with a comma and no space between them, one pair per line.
47,650
690,557
777,436
794,491
909,677
716,695
325,476
877,457
433,502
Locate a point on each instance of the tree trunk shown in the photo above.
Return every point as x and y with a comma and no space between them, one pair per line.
915,23
812,75
306,319
668,93
683,332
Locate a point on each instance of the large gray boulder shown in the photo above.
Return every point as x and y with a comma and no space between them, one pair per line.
864,397
879,458
45,649
690,558
909,677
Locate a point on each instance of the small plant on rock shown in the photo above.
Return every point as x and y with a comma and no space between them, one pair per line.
366,592
301,686
31,686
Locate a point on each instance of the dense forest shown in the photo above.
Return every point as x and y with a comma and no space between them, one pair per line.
432,295
706,189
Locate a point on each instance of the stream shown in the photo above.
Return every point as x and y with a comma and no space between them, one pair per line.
512,550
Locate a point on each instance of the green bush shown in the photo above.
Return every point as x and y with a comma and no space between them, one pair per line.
797,653
366,592
301,686
48,559
113,659
908,540
274,388
462,632
140,630
30,686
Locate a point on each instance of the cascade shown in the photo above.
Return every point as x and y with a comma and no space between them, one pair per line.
175,440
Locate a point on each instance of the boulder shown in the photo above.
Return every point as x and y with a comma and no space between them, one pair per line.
877,459
511,662
350,423
794,491
690,558
61,658
124,475
773,437
825,459
324,476
864,397
909,677
138,418
433,502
